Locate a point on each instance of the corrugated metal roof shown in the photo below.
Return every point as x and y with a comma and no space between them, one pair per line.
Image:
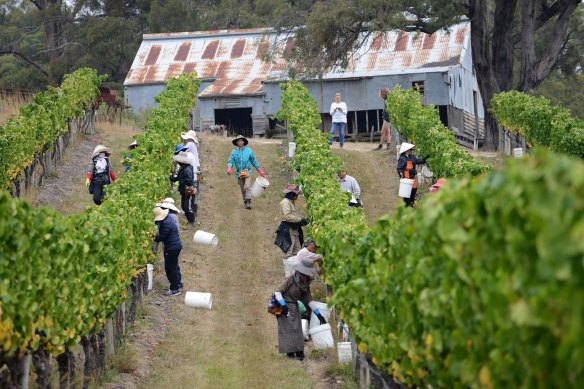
234,58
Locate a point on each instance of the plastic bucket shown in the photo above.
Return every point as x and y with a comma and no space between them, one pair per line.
518,152
198,300
259,186
322,336
305,328
291,149
150,269
324,311
405,187
203,237
345,352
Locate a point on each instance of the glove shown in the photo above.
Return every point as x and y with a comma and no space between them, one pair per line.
261,171
284,307
229,170
303,222
321,319
87,182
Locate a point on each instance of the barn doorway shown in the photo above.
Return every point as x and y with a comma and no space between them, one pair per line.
238,120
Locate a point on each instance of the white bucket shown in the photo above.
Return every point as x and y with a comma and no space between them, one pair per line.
198,300
405,187
325,311
291,149
322,336
288,262
203,237
305,328
345,353
259,186
518,152
150,269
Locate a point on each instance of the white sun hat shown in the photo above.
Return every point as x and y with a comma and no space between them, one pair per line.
405,147
160,214
99,149
165,205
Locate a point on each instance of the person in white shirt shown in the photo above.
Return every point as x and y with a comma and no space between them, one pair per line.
349,184
339,114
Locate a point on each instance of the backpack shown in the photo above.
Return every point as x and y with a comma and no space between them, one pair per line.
101,169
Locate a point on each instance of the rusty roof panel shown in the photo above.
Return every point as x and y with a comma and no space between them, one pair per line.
183,51
210,50
237,49
234,57
153,55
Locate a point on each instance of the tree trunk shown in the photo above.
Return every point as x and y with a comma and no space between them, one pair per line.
11,372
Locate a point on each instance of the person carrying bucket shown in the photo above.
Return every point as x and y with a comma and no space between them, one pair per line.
243,158
406,168
173,212
292,292
289,235
169,236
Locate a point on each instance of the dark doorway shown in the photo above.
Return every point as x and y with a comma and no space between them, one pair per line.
238,120
443,111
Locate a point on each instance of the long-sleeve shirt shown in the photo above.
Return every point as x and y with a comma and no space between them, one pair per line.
349,184
241,159
339,116
288,212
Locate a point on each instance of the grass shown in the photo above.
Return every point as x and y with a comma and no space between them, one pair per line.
10,105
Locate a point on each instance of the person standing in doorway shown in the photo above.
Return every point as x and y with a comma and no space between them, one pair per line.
243,158
339,114
386,127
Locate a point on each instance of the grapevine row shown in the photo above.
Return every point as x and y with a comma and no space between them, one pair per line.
62,277
41,122
480,286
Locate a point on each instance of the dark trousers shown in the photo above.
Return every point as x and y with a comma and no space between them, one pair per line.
98,193
189,207
171,268
410,201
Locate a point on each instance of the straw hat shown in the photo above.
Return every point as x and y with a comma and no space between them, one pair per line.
293,188
306,267
190,135
165,205
405,147
160,214
133,145
182,157
168,200
99,149
238,137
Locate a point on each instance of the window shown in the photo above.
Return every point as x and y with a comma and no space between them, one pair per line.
419,86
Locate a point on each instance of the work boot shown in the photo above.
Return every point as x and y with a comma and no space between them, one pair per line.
299,355
247,204
379,147
387,145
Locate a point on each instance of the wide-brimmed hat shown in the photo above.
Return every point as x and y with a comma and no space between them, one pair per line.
405,147
190,135
168,200
160,214
306,267
100,149
238,137
133,145
293,188
437,185
182,157
166,205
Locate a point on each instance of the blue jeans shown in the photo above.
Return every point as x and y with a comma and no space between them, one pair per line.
341,127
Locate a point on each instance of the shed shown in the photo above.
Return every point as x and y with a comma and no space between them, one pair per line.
241,89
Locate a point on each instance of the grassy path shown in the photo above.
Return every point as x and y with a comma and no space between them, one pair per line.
234,345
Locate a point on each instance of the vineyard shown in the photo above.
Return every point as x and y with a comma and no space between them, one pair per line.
87,260
479,287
